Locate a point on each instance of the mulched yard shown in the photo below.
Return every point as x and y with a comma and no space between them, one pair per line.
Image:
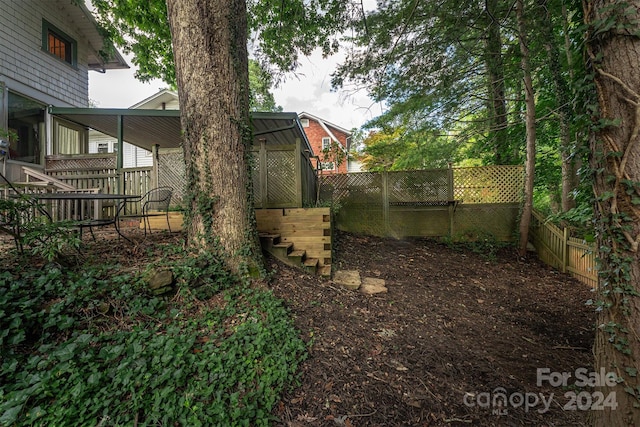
453,324
454,327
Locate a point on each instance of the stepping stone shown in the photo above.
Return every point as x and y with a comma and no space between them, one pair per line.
371,286
350,279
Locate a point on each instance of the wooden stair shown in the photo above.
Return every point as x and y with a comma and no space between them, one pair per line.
291,256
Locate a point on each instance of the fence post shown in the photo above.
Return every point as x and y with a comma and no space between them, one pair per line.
263,174
155,176
565,249
450,196
298,174
385,202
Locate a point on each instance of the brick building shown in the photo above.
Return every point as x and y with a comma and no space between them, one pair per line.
331,143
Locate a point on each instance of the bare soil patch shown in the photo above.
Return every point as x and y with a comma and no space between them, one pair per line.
453,323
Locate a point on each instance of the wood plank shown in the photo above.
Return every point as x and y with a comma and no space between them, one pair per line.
307,211
295,220
310,234
305,239
311,246
292,227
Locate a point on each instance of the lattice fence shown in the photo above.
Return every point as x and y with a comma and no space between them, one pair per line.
255,176
428,186
171,173
363,188
281,170
458,202
81,162
488,184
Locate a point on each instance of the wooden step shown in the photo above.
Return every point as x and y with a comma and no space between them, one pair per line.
282,250
267,240
310,265
325,271
297,257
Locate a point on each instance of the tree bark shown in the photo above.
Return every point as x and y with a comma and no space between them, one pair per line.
209,40
495,76
530,125
562,96
613,48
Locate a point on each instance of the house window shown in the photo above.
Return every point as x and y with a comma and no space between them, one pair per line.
69,138
103,147
26,126
327,166
304,123
58,44
326,143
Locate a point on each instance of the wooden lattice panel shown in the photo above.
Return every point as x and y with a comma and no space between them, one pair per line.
80,162
354,188
281,169
255,176
418,186
171,173
488,184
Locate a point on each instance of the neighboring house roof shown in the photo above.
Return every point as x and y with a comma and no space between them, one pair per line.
145,128
156,101
82,18
326,126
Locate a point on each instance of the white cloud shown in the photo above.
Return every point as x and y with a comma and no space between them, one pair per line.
308,90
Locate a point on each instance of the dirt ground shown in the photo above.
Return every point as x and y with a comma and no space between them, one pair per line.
454,327
453,331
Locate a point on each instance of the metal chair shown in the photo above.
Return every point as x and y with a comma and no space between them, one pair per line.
20,213
154,203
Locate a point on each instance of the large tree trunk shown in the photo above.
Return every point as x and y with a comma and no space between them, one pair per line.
615,150
495,77
563,109
530,125
209,42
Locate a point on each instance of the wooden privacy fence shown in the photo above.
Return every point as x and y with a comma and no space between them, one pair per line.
463,203
557,248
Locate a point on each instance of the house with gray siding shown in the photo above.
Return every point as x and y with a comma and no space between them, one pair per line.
47,48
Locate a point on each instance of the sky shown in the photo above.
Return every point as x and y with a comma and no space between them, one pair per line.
309,90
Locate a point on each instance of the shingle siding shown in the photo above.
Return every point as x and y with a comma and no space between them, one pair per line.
25,63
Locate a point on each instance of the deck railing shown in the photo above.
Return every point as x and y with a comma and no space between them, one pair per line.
99,171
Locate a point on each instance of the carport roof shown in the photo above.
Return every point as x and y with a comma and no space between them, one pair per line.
146,128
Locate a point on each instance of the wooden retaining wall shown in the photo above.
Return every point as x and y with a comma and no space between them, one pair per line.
308,229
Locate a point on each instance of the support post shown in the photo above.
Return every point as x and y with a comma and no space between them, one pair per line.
298,174
263,175
120,156
155,172
450,197
385,202
565,249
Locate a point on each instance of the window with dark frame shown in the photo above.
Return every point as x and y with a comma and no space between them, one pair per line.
59,47
58,44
